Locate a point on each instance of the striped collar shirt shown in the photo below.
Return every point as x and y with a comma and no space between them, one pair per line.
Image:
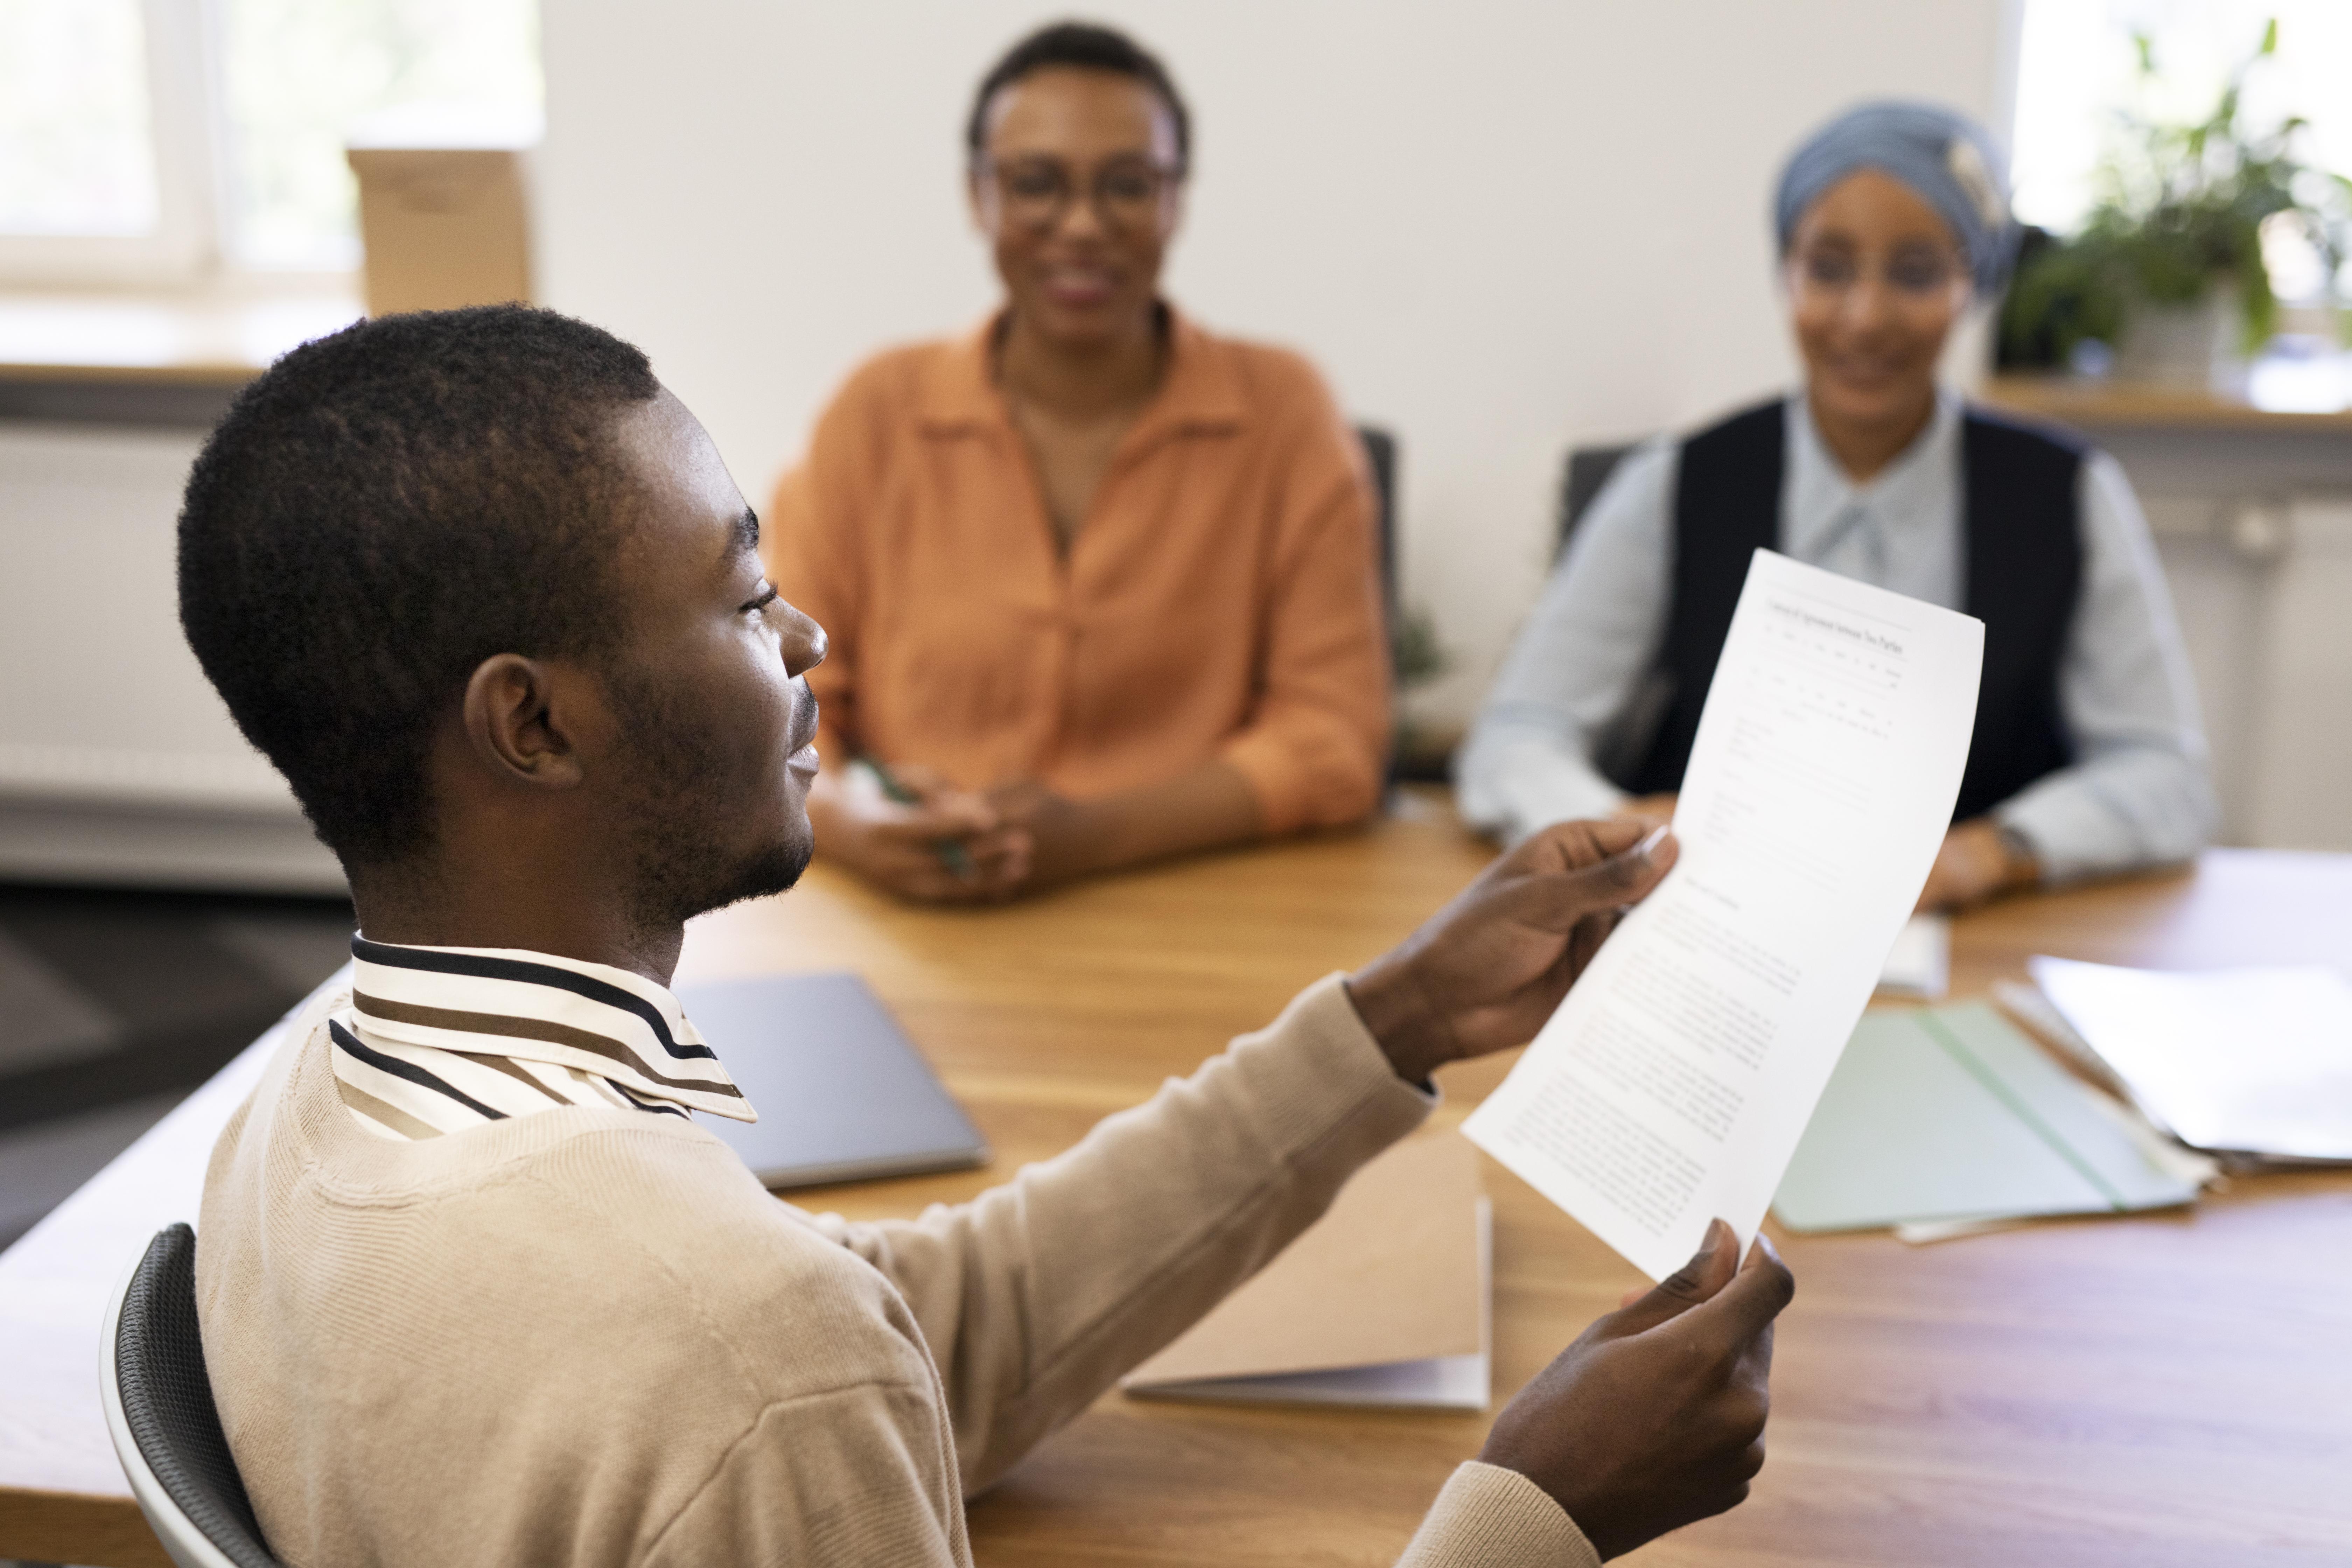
438,1039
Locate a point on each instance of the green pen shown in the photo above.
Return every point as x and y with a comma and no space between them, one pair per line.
952,855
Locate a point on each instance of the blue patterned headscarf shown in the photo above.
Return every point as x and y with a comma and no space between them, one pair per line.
1944,155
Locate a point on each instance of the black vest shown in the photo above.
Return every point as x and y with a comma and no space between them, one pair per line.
2023,570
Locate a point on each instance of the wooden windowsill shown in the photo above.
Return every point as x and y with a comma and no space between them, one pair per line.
2083,401
219,336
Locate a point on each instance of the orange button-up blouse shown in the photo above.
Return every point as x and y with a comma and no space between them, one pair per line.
1220,599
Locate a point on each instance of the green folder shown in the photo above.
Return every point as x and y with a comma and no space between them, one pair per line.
1947,1114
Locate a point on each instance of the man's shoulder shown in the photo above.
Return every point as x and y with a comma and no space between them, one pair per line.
676,1224
576,1227
654,1218
605,1295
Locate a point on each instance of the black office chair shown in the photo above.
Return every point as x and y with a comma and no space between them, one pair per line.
1380,452
1621,744
160,1413
1588,470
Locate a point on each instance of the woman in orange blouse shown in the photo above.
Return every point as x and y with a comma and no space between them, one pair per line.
1100,587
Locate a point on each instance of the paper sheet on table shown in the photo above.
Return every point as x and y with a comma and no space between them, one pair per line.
1938,1115
1674,1082
1920,962
1382,1302
2249,1061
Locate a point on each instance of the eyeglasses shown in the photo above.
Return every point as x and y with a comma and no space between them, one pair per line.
1921,274
1034,193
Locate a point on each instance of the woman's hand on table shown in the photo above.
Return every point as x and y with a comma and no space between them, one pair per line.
1064,834
949,845
1485,971
945,846
1978,861
1206,806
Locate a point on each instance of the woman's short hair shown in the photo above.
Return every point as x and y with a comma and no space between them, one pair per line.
1083,45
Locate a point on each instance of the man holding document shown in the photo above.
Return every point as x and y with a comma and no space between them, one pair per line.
474,1288
1674,1082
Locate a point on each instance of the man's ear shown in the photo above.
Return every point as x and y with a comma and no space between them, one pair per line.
524,719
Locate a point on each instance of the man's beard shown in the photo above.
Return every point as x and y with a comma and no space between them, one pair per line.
681,866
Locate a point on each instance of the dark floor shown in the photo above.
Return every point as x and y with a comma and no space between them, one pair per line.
114,1004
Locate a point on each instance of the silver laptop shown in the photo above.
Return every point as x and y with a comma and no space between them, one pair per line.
843,1095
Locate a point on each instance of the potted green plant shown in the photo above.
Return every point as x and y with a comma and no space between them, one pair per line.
2168,272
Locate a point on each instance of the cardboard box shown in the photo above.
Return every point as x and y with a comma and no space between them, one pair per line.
443,226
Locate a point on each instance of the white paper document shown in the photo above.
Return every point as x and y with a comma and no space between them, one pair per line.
2247,1060
1673,1084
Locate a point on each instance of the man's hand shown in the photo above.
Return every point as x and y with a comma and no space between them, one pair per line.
1654,1417
1485,971
1977,862
947,846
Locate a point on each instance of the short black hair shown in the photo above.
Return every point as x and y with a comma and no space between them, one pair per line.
1086,46
381,511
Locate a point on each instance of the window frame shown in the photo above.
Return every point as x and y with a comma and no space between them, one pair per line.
181,43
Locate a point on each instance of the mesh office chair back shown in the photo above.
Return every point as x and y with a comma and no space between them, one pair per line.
159,1411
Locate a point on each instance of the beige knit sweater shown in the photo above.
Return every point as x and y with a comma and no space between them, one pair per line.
589,1337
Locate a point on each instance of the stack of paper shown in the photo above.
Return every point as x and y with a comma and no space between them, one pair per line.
2256,1061
1383,1302
1945,1114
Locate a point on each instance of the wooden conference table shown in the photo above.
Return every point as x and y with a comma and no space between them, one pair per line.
2158,1390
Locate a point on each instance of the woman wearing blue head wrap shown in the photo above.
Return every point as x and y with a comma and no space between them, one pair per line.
1891,220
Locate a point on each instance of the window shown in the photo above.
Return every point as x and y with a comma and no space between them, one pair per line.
152,141
103,153
301,74
73,105
2078,63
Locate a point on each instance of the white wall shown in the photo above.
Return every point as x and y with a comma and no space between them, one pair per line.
1500,225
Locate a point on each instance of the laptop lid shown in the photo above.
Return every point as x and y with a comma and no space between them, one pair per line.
843,1095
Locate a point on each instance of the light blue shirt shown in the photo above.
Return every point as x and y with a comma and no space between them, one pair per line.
2140,792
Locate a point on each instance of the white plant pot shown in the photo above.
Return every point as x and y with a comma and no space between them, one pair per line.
2200,345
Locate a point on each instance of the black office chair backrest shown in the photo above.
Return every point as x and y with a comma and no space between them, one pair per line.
1380,452
1588,470
167,1400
